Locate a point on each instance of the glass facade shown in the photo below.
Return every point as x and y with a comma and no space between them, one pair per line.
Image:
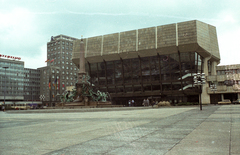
162,76
13,82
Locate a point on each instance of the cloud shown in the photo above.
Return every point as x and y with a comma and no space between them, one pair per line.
228,31
16,23
229,43
28,25
36,61
19,32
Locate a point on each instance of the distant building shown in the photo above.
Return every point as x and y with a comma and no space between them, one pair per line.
31,84
13,83
60,71
19,84
227,81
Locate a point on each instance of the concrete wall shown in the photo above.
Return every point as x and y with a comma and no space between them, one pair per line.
166,39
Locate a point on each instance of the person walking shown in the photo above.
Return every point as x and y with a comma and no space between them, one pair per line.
153,102
129,103
144,102
133,103
3,108
147,102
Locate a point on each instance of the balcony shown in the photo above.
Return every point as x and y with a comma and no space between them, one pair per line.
212,78
219,89
222,88
234,88
221,78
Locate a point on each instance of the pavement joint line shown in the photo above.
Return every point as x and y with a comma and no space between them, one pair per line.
192,130
230,132
186,116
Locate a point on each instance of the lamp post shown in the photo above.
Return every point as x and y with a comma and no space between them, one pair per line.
5,83
50,80
42,98
199,79
213,87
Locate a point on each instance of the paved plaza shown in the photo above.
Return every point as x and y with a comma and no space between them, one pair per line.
111,131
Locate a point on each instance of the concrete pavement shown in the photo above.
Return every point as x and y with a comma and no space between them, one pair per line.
110,131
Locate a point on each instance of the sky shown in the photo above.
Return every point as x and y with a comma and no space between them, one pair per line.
27,25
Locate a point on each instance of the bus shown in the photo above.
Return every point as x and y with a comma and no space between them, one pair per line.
21,105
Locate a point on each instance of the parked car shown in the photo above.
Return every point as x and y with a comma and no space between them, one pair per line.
225,101
236,102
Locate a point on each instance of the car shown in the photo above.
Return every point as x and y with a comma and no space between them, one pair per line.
225,101
236,102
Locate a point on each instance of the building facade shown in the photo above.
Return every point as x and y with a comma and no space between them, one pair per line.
227,83
19,84
60,71
12,80
31,84
156,62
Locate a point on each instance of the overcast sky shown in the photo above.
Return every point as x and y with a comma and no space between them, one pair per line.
27,25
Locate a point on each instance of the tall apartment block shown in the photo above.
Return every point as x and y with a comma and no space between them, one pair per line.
60,72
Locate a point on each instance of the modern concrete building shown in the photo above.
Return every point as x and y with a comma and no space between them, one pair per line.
12,85
60,71
19,84
227,81
157,62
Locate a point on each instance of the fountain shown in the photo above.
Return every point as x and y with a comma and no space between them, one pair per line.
83,94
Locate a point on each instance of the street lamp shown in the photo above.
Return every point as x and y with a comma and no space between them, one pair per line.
5,83
199,79
213,87
50,80
42,98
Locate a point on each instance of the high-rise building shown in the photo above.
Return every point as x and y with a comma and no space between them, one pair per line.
60,71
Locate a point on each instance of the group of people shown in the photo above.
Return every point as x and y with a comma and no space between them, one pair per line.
146,102
131,103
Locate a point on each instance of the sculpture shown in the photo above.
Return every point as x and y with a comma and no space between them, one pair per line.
82,93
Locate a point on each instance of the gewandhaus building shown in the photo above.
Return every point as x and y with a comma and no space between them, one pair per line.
156,62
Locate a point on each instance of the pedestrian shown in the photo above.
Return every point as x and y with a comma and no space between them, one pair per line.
147,102
133,103
3,108
129,103
153,102
144,102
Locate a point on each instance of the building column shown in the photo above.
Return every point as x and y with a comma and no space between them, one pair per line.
222,97
205,97
213,68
